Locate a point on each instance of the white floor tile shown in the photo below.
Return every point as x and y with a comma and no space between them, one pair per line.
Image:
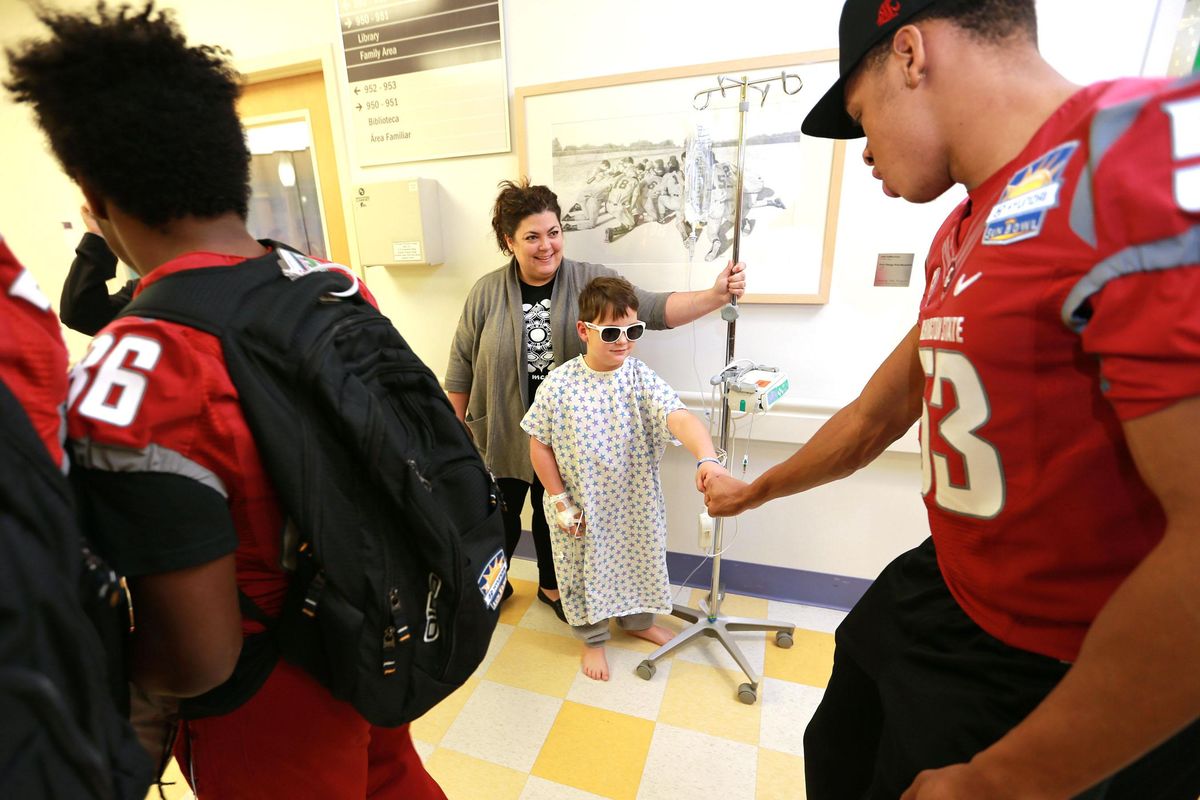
424,749
624,692
523,569
541,617
811,618
683,763
503,724
786,710
542,789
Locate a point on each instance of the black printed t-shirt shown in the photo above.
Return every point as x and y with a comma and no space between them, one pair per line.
539,346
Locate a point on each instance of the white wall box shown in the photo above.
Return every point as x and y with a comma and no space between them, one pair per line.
398,223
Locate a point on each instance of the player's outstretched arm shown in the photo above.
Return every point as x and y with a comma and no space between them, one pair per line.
852,438
1134,684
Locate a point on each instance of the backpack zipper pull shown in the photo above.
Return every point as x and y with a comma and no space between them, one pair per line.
394,633
389,646
313,596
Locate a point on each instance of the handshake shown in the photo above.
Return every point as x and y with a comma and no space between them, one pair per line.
724,495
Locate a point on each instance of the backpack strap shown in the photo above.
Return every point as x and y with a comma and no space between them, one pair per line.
217,299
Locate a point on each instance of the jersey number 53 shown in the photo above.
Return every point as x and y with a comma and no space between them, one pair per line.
981,494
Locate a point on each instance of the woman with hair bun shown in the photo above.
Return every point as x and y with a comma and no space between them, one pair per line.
517,324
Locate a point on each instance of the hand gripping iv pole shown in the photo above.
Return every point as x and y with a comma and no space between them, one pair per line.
707,620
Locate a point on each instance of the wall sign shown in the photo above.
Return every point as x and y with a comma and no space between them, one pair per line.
425,79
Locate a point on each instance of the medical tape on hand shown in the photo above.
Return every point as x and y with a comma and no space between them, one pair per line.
570,516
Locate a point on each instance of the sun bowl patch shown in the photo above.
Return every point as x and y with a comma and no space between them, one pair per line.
492,580
1033,191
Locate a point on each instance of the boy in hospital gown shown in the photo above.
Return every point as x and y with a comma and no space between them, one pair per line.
598,429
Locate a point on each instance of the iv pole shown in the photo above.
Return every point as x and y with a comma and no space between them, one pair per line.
707,621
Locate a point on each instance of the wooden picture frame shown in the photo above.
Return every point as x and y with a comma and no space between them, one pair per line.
565,129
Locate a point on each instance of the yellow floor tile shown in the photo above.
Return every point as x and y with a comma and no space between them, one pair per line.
538,662
780,776
704,698
515,607
808,661
465,778
598,751
437,720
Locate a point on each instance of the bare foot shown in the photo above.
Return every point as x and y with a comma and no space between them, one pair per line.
595,663
655,633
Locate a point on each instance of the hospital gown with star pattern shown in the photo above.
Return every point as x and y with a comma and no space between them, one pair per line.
608,431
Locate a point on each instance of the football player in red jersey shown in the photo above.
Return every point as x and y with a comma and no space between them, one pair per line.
33,358
1045,642
170,477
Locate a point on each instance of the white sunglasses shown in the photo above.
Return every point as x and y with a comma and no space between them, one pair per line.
611,333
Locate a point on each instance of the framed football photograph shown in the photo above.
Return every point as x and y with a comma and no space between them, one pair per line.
645,168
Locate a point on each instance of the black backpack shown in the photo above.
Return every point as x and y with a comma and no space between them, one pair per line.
61,732
394,538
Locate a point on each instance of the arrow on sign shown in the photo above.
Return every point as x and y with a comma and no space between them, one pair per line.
356,90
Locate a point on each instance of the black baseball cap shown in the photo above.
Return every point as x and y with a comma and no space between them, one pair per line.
864,24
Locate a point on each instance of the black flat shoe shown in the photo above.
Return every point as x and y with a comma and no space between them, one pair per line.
555,604
508,592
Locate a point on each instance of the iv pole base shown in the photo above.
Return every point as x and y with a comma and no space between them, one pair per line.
720,629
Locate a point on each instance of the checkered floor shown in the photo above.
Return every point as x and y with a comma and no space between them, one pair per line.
530,726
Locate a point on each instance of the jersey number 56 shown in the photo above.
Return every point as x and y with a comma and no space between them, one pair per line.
116,393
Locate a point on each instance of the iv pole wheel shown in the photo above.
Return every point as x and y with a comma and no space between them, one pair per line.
784,639
747,694
646,670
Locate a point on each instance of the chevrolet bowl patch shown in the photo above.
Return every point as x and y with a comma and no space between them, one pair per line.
1033,191
493,579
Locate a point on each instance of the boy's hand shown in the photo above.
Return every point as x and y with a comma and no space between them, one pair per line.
706,472
726,496
568,516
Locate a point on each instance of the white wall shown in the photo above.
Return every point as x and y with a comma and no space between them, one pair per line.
850,528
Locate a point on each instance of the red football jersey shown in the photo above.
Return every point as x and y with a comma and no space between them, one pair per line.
1061,298
33,358
155,396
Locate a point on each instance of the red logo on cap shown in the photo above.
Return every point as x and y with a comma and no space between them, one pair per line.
888,11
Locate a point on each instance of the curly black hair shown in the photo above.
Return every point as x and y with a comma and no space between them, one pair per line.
132,111
515,202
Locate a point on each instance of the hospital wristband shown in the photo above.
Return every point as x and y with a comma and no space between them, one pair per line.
716,461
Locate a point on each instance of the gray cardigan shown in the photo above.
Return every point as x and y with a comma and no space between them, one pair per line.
487,356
